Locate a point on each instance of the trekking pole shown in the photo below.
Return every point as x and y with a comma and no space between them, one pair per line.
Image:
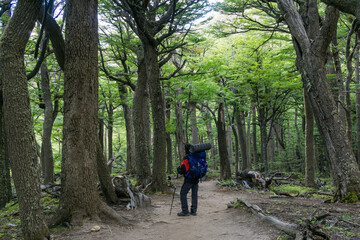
173,198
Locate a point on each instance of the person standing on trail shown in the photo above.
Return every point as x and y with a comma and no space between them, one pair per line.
189,183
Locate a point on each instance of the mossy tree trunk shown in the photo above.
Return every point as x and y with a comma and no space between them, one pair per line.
311,44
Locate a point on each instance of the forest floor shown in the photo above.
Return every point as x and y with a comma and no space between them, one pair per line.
215,220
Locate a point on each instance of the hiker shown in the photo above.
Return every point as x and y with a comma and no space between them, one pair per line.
189,183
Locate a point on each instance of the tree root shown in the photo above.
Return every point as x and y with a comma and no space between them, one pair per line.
107,212
104,212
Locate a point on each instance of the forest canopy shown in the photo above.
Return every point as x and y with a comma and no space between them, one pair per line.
93,89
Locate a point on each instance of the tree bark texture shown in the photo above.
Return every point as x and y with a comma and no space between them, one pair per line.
357,104
263,138
106,185
237,151
180,137
311,53
142,157
309,144
339,80
18,121
130,136
5,181
229,141
225,170
46,146
349,53
169,165
298,137
210,135
254,138
193,123
158,117
240,122
248,142
347,6
110,132
80,198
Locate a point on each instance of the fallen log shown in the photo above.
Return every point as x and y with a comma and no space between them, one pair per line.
279,193
288,228
304,194
306,230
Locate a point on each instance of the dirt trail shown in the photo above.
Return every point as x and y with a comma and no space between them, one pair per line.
213,221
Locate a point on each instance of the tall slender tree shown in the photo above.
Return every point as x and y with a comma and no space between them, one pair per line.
18,121
153,22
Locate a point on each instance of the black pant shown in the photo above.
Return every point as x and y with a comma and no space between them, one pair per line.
187,185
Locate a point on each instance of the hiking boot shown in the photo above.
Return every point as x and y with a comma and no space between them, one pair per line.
182,214
193,213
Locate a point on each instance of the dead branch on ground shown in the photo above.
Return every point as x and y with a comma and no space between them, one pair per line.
305,230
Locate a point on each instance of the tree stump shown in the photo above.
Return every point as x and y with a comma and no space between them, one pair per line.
124,190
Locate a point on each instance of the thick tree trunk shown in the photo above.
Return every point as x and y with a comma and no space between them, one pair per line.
225,170
80,198
357,104
309,144
141,142
130,137
158,117
311,59
5,181
18,121
348,6
146,116
46,146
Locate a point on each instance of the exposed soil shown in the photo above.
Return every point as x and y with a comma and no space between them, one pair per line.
215,220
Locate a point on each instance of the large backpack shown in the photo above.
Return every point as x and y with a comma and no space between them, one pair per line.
197,165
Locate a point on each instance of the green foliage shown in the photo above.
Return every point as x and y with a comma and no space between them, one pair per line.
227,183
236,203
351,198
292,188
10,219
212,174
